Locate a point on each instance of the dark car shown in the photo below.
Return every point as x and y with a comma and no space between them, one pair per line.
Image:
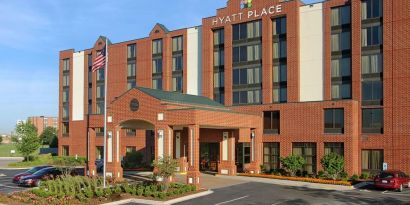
37,177
392,179
31,171
99,164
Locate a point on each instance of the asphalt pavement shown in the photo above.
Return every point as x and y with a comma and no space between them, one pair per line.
6,184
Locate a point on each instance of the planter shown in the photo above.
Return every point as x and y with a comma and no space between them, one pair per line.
301,179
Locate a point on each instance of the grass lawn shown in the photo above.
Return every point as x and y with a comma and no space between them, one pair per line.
5,150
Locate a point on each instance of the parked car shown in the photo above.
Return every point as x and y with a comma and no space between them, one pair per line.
392,179
99,164
36,178
31,171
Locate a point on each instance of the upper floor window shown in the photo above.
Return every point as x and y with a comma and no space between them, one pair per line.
372,91
100,91
219,58
372,121
280,73
279,49
219,79
341,15
131,70
247,97
66,111
177,43
177,63
100,74
90,60
372,9
246,76
247,53
65,128
372,64
247,30
131,51
157,66
66,80
341,67
177,84
66,64
341,90
100,108
157,46
334,121
157,84
219,37
271,122
372,35
341,41
279,26
65,95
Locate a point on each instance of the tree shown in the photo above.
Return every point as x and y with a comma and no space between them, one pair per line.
292,163
133,159
66,164
333,164
165,168
26,139
1,139
49,137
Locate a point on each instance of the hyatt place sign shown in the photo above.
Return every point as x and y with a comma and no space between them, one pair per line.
247,15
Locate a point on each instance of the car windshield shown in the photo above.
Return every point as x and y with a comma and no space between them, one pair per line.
43,171
386,175
34,170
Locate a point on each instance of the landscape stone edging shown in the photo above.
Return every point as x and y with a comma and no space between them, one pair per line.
152,202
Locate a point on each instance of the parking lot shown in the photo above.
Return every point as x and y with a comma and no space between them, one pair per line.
6,185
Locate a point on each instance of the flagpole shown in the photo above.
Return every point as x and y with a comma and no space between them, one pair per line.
105,110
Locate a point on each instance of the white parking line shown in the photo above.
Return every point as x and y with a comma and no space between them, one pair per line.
397,194
225,202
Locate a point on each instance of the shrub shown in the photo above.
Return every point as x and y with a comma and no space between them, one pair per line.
292,163
140,191
107,192
117,190
155,194
80,196
67,164
364,175
166,167
344,176
354,177
133,159
88,192
321,175
162,195
99,192
333,164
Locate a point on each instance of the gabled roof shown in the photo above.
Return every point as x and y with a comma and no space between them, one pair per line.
180,98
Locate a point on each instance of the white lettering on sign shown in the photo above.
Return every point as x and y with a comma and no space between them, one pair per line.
251,14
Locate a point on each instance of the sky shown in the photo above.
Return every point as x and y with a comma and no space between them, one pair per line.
33,32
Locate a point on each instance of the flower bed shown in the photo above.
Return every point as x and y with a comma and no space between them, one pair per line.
302,179
84,190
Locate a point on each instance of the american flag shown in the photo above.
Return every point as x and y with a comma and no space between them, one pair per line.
99,60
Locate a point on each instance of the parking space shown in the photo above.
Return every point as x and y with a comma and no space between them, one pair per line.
6,184
371,189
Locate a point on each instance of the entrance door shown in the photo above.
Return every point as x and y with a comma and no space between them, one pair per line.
209,156
243,156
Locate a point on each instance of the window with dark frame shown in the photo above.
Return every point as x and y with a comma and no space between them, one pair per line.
334,147
131,51
99,152
271,154
130,149
372,9
334,121
99,131
308,151
271,122
65,151
131,132
372,160
372,120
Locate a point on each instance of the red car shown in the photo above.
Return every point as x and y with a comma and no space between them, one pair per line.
392,179
31,171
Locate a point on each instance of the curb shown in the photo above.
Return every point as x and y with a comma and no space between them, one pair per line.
152,202
17,168
12,158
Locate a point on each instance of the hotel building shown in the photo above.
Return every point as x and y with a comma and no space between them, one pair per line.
253,83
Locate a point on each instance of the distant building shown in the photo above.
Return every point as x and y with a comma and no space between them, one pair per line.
6,139
42,122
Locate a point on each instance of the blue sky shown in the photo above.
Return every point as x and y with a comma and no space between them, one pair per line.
33,32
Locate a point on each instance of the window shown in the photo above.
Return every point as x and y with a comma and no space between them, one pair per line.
334,121
246,76
65,151
280,94
280,49
130,149
177,43
372,121
157,84
247,97
308,152
131,69
279,26
340,15
271,156
372,64
100,108
177,63
65,112
157,66
246,53
334,147
372,9
131,84
239,54
131,51
219,97
99,152
65,128
341,90
219,37
246,153
66,80
131,132
372,160
341,41
372,35
219,79
372,90
99,131
66,64
271,122
157,46
177,84
100,74
341,67
219,58
65,95
100,91
247,30
280,73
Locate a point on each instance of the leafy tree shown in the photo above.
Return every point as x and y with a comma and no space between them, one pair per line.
133,159
1,139
49,137
292,163
26,139
333,164
165,168
66,164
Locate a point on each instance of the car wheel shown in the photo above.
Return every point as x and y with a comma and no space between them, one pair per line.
401,188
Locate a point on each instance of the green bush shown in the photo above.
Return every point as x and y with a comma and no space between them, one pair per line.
107,192
344,176
80,196
354,177
99,192
333,164
88,192
321,175
155,194
133,159
117,189
162,195
364,175
140,191
292,163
